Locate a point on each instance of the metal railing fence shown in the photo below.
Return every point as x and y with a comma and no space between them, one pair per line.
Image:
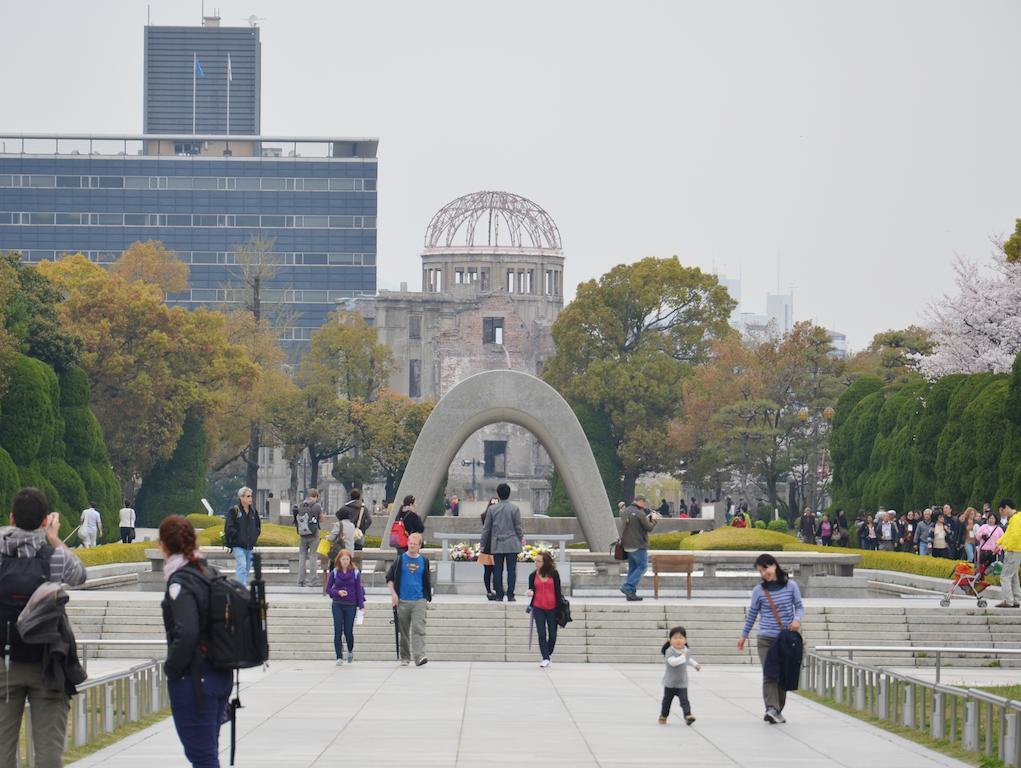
974,720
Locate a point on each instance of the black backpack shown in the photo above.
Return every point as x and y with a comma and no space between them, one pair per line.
19,578
236,632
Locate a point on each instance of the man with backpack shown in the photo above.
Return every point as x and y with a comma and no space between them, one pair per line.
31,553
307,521
410,592
359,515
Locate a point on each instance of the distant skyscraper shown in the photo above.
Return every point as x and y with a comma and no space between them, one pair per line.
780,309
186,79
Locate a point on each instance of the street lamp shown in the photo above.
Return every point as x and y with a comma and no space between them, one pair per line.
824,417
473,463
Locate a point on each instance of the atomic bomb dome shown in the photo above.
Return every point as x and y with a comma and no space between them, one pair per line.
500,220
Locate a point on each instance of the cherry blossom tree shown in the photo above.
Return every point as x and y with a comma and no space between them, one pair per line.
979,329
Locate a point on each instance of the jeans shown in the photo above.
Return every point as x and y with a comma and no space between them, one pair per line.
969,552
343,626
242,564
199,728
923,548
511,560
772,694
49,715
637,565
127,534
487,578
411,623
1008,577
668,699
546,629
308,560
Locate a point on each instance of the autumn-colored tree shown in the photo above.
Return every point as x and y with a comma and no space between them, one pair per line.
757,414
148,364
625,344
150,262
345,366
893,355
387,430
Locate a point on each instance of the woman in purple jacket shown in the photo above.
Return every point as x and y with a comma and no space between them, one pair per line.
345,589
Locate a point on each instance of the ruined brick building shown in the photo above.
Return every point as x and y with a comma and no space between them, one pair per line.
492,285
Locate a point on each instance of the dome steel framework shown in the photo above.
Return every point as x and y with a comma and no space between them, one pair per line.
493,219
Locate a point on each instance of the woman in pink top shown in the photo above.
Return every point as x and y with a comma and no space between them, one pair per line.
986,537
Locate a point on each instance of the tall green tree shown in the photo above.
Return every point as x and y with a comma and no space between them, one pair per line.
625,344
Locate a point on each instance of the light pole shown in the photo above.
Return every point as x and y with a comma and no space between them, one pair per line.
823,417
473,463
304,464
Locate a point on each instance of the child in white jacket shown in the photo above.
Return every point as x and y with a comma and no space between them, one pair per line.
675,678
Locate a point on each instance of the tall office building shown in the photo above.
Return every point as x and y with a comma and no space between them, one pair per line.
314,199
202,194
187,81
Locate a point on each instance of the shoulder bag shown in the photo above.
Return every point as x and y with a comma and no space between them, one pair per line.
618,545
359,534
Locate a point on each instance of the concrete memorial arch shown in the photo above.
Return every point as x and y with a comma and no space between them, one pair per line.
518,398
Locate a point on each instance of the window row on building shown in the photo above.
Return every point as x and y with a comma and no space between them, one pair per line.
223,258
215,183
520,281
265,221
268,296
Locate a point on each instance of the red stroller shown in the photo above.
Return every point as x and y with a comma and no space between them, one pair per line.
969,581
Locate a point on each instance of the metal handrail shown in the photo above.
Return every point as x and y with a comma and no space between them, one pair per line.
84,643
106,703
939,650
973,719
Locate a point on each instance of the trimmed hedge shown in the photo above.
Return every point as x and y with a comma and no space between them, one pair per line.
778,525
129,553
177,486
10,484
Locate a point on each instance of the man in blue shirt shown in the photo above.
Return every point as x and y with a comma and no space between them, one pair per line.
410,592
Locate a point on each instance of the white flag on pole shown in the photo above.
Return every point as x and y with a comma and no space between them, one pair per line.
230,76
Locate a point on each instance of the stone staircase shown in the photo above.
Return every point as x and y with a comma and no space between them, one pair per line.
600,632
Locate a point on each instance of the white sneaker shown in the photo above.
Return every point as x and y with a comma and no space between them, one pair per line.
340,662
544,663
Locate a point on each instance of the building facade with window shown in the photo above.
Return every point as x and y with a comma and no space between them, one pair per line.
313,199
492,285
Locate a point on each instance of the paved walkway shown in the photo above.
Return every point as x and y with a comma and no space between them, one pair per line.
570,716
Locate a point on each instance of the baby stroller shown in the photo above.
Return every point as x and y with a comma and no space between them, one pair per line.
970,581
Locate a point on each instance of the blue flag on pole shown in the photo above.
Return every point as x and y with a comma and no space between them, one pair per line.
198,67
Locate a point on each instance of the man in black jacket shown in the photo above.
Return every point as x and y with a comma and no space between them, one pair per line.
241,531
32,553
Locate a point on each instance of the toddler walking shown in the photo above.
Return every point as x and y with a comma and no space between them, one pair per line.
675,678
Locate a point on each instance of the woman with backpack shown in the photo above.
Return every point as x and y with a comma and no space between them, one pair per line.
198,691
406,523
348,595
544,589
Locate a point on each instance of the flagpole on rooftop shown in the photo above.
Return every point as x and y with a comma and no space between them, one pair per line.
230,76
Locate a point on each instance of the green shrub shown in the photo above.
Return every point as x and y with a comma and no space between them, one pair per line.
204,520
744,539
779,526
176,487
668,540
26,413
67,482
10,483
74,388
761,525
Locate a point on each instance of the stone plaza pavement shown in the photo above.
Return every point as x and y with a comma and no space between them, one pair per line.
456,714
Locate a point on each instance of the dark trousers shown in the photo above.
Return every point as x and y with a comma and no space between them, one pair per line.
343,626
127,534
511,561
546,629
668,699
198,728
487,578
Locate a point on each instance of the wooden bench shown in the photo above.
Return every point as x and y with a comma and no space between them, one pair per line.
671,564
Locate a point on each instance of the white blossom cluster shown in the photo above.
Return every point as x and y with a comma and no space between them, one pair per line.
979,329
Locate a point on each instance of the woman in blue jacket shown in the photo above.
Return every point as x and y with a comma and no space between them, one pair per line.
777,591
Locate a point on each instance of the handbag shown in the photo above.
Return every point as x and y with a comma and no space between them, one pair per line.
324,547
485,559
618,545
359,534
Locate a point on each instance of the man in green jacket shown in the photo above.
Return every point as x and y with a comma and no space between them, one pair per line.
634,537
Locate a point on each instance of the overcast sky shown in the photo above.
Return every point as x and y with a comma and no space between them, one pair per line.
857,145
